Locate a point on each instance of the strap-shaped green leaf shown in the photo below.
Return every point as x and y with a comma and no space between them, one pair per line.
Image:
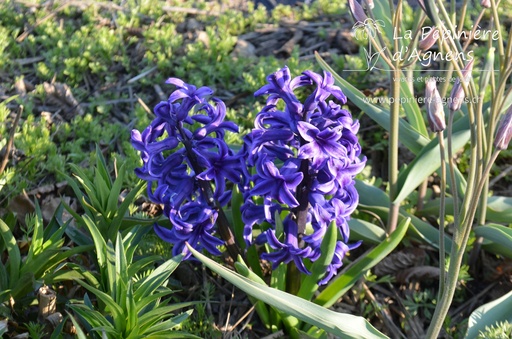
310,282
339,324
13,251
365,231
426,163
348,278
500,238
157,277
490,314
117,312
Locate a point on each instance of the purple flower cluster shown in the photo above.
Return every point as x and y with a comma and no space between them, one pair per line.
186,163
304,157
299,163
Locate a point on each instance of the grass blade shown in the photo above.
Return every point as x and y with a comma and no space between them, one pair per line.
344,282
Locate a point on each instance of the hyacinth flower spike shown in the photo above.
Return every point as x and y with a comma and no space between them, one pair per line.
304,158
187,167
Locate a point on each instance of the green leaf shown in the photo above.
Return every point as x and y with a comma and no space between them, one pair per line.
377,201
499,237
132,239
88,186
116,311
499,209
99,241
426,163
121,263
38,236
259,306
13,252
157,314
490,314
139,264
318,270
131,311
79,332
157,277
117,222
236,214
411,138
365,231
115,191
348,278
169,324
79,195
343,325
102,169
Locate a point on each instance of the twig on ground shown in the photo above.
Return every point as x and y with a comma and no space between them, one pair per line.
142,75
10,142
29,30
502,174
143,104
383,314
193,11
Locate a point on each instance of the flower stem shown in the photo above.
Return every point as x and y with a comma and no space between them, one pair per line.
460,242
206,189
393,150
442,207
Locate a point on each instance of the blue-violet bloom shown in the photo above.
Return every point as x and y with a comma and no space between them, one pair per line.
186,163
303,157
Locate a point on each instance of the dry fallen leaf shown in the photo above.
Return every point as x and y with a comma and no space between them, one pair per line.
60,95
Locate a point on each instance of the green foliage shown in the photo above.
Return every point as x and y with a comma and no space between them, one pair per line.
493,318
99,200
502,330
343,325
129,308
21,274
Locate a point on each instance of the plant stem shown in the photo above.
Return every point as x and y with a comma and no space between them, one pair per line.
442,208
206,189
10,142
393,132
460,242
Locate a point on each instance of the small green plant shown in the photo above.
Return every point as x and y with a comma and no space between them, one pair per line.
502,330
99,199
21,274
129,307
36,330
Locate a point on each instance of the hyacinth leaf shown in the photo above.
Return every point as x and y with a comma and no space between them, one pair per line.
489,314
236,214
342,325
426,163
310,282
344,282
499,238
259,306
99,242
499,209
411,138
157,278
366,231
377,201
120,212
